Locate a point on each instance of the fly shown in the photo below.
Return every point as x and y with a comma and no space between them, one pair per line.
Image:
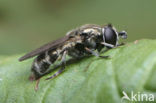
79,42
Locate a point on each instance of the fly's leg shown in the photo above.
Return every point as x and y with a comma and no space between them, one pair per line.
95,53
63,62
112,46
121,44
37,83
108,45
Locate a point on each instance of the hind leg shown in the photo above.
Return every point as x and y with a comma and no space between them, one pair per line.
63,62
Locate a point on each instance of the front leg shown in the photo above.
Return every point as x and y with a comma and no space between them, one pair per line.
94,53
63,62
107,45
121,44
111,46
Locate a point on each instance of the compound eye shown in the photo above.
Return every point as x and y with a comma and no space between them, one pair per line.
110,35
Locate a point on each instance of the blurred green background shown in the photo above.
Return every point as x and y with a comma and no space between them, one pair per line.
27,24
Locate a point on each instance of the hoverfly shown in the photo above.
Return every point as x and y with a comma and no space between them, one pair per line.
77,43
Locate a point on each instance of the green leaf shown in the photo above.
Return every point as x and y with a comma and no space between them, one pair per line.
132,67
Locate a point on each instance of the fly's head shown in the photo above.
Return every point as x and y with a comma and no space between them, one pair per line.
111,36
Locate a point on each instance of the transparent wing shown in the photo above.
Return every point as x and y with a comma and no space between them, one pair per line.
49,46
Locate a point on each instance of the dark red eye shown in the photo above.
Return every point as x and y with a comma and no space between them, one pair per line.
110,35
